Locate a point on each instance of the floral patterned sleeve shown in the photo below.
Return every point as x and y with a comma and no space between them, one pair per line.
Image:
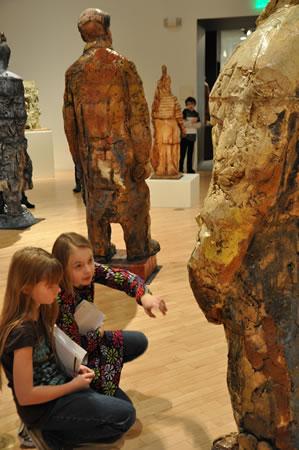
120,279
66,321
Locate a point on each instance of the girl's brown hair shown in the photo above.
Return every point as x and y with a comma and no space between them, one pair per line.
28,267
62,249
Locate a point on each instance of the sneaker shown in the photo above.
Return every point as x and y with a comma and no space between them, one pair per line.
24,438
135,430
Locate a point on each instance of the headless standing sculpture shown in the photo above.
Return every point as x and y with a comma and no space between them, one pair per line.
107,126
244,269
15,163
168,123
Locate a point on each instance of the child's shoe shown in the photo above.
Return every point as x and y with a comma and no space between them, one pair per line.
24,437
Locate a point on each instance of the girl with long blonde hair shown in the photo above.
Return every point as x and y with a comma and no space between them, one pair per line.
46,398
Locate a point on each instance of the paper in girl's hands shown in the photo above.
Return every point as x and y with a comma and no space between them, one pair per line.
70,355
88,317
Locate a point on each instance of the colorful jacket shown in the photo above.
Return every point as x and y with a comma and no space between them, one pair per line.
105,353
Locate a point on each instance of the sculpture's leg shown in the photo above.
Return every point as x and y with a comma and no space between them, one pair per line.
99,233
162,165
173,159
13,203
135,222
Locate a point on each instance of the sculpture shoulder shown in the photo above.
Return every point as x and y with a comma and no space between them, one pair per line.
7,74
128,67
105,55
73,68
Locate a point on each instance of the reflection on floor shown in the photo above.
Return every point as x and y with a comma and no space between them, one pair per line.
179,385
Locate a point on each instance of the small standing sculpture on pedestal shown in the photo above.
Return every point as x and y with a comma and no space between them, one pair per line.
244,269
107,125
32,105
168,125
15,163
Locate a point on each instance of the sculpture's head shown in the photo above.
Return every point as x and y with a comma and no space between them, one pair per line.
94,25
273,6
4,52
164,84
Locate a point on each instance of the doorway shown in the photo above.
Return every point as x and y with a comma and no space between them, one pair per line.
216,40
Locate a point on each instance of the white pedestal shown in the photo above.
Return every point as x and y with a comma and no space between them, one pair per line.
40,149
182,193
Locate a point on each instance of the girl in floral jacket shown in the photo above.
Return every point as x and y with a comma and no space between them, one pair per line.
107,350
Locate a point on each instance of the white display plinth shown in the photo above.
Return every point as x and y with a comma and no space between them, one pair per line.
182,193
40,149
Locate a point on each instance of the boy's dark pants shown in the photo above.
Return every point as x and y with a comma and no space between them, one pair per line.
186,146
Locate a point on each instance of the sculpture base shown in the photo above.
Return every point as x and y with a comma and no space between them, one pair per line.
37,140
228,442
240,441
182,193
166,177
24,220
144,268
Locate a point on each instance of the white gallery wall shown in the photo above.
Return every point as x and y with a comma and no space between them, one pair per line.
44,41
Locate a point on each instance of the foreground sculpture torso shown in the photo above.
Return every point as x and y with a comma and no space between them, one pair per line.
244,269
107,125
168,124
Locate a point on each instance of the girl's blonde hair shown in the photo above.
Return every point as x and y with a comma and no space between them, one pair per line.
28,267
62,249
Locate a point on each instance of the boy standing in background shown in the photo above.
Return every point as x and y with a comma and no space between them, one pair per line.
192,124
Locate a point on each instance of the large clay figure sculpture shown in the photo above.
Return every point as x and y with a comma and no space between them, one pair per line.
244,269
168,125
107,126
15,163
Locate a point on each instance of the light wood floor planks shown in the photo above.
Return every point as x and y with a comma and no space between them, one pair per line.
179,385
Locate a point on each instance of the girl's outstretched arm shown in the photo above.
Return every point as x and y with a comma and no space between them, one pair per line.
28,394
132,284
120,279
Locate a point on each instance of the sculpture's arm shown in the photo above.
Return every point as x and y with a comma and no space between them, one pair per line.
179,117
70,123
155,106
138,121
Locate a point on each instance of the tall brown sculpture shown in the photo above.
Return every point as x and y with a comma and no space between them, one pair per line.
107,126
15,163
244,269
168,124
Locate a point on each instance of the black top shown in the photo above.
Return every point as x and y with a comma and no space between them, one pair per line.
45,368
188,113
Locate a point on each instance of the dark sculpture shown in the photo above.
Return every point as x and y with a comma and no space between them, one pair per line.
244,269
107,126
15,163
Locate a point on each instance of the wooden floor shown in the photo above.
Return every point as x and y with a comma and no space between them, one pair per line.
179,385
